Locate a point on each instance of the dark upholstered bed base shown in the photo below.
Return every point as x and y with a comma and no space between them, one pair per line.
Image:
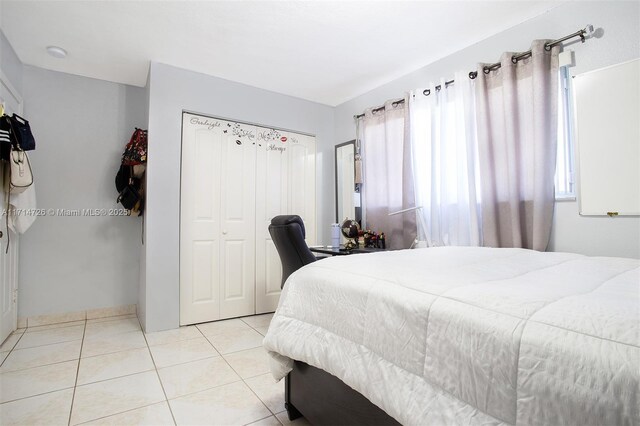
323,399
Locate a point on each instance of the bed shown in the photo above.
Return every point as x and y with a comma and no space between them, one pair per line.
457,335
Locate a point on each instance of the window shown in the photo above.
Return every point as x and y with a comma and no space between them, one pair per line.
565,175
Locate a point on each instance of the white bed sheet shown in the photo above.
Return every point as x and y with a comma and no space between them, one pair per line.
461,335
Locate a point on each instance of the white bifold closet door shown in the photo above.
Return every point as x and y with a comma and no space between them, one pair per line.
217,226
286,185
235,178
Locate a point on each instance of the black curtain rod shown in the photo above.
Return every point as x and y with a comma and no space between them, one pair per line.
488,68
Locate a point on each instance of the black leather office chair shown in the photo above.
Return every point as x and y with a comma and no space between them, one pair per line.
287,233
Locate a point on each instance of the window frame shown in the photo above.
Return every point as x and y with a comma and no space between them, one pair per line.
567,115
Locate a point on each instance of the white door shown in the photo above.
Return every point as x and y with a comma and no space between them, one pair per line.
12,102
8,280
272,200
302,182
286,185
238,222
217,224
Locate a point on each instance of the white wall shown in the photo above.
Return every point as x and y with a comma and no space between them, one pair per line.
142,285
173,90
620,42
76,263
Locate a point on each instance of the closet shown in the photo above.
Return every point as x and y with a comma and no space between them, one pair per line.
235,178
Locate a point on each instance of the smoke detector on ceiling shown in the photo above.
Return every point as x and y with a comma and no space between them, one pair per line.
57,52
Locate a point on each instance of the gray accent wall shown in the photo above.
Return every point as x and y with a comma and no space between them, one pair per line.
77,263
173,90
620,42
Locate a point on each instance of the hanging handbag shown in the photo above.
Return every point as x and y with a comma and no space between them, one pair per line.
129,197
21,133
128,188
136,150
17,173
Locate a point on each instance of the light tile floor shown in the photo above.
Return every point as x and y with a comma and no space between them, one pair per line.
108,372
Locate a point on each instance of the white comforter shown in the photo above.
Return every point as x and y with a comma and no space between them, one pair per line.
470,335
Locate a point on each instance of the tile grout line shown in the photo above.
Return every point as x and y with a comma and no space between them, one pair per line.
259,399
244,382
38,366
244,379
166,399
264,418
254,328
205,390
46,344
12,347
73,397
120,412
38,394
56,326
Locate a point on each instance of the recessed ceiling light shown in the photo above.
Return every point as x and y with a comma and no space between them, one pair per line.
57,52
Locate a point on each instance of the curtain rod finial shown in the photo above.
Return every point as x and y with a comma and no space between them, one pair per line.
588,29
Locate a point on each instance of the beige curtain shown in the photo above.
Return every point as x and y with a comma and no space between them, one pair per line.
388,180
517,122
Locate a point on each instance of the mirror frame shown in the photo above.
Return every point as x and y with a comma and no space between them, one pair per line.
335,163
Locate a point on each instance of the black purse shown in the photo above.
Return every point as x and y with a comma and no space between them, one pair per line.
128,188
21,132
129,197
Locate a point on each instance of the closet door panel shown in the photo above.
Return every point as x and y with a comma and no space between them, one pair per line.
205,272
200,222
271,200
238,183
302,191
235,265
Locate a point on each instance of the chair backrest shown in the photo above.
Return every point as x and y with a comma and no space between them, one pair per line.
287,233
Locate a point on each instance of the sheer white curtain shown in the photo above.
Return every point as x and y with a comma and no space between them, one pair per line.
388,180
445,163
517,137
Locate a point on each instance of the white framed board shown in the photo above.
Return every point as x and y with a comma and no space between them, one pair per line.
607,105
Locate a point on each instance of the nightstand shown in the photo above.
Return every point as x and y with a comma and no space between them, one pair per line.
334,251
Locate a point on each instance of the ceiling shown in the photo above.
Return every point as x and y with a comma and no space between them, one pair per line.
323,51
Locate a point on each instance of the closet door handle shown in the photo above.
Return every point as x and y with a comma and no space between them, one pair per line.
224,232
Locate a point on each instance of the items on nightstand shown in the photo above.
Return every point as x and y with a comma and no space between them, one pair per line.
335,234
350,229
373,240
